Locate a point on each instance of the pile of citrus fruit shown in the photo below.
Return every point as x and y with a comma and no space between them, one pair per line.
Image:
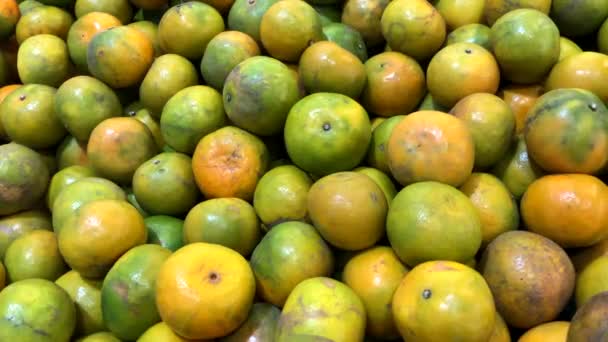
303,170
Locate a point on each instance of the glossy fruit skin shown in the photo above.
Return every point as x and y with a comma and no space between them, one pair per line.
326,133
44,20
570,209
260,110
588,323
526,45
15,225
404,21
187,28
547,272
421,215
227,291
520,99
34,255
390,75
494,9
375,275
276,261
229,163
86,295
121,9
43,59
23,177
412,150
344,312
120,56
9,16
591,280
552,331
34,300
246,16
348,38
576,21
422,309
471,33
259,326
585,70
128,292
567,131
166,231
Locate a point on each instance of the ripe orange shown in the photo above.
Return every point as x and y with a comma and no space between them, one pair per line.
229,163
552,331
204,275
395,84
459,70
431,145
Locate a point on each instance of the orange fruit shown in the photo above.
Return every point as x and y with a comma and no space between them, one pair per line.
43,20
444,300
229,163
326,133
9,16
327,67
588,322
28,116
344,313
24,178
260,110
585,70
98,234
471,33
570,209
375,274
121,9
591,280
153,125
160,332
420,220
227,221
551,331
86,294
246,15
520,99
516,169
429,103
376,154
260,325
128,302
501,331
118,146
460,13
102,336
167,75
71,152
15,225
288,28
431,145
577,21
331,200
191,114
82,102
187,28
404,21
81,33
69,200
530,276
285,184
382,180
526,45
395,84
204,274
345,36
567,48
150,30
164,185
584,256
4,91
365,17
492,125
166,231
497,209
459,70
43,59
277,260
495,9
567,131
225,51
34,255
120,56
48,309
